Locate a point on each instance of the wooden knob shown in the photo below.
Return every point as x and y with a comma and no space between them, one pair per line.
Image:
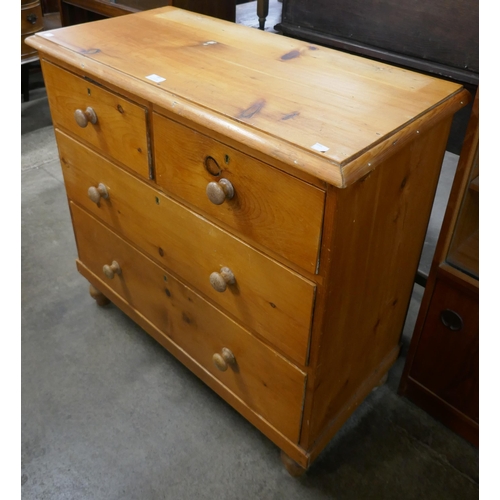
219,281
96,193
111,270
218,192
224,359
84,117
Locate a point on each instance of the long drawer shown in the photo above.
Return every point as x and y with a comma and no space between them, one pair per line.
266,297
271,207
264,380
120,128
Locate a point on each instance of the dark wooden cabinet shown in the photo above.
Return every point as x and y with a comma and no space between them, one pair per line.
442,368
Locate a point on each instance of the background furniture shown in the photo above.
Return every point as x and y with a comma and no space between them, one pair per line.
439,38
50,6
31,22
171,155
79,11
442,368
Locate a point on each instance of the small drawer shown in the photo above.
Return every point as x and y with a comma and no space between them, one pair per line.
31,18
110,123
271,207
261,378
263,295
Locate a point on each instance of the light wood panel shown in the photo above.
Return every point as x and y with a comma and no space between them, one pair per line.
266,382
121,128
267,297
270,207
292,449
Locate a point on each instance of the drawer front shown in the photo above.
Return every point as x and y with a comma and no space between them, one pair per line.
31,19
265,381
266,296
274,209
120,131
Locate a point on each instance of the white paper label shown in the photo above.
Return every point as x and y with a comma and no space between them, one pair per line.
156,78
319,147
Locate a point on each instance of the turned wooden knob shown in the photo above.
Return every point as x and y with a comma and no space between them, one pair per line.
218,192
111,270
84,117
224,359
96,193
219,281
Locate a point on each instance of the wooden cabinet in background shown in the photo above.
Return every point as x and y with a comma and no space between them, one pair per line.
50,6
239,195
82,11
442,368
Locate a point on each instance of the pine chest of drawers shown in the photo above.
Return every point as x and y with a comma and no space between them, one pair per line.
257,204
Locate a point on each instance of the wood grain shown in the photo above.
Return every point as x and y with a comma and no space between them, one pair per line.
267,297
256,84
292,449
266,382
270,207
446,32
121,128
379,225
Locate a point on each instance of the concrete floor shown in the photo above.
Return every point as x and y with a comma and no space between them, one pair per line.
107,413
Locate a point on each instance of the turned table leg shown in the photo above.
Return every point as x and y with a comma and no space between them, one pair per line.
262,12
292,467
98,296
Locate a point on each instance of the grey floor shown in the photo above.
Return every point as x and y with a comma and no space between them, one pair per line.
109,414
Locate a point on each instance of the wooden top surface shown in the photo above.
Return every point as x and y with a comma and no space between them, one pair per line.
319,110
